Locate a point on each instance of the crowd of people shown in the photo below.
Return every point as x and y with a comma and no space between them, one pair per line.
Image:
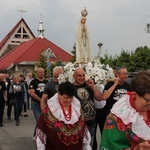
14,95
67,114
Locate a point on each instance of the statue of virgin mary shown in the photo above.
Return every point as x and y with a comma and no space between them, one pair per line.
83,44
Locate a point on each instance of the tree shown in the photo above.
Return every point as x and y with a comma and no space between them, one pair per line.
42,62
73,52
108,60
123,59
133,61
141,59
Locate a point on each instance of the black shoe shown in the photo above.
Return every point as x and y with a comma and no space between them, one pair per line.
17,123
1,125
25,115
9,118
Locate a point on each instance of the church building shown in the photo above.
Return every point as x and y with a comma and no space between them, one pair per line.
20,49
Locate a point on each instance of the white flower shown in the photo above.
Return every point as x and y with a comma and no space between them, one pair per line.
94,70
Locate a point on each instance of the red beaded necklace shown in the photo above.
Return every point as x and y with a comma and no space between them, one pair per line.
67,115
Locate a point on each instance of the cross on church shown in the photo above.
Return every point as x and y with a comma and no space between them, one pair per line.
22,11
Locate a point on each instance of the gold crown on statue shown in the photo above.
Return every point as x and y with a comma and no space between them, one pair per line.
84,12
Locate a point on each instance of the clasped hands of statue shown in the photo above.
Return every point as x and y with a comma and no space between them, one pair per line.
83,28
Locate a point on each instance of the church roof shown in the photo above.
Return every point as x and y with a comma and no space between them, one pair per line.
13,38
30,51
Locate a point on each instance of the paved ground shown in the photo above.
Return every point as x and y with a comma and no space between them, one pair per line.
14,137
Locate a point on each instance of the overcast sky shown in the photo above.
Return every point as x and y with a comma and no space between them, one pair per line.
118,24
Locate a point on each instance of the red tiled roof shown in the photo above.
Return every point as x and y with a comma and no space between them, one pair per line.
13,29
30,51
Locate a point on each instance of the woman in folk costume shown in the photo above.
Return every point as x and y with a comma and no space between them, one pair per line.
128,125
83,45
62,125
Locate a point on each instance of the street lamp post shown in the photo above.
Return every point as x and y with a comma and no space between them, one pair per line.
100,49
147,28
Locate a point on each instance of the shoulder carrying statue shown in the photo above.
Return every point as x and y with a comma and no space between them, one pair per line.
83,45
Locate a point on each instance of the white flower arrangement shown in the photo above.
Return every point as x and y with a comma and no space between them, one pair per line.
100,73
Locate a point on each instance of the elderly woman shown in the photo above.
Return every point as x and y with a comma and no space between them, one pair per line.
128,125
62,125
17,92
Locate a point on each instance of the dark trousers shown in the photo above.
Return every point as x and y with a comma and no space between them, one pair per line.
9,108
18,109
25,107
101,115
28,101
100,120
37,112
2,105
91,129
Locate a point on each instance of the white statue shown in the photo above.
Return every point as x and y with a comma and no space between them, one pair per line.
83,45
